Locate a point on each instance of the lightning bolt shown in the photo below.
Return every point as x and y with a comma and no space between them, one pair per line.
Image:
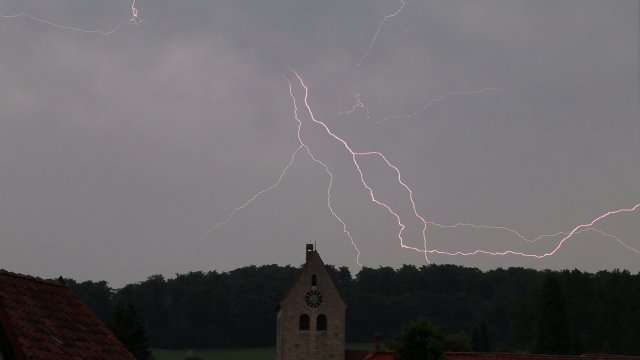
357,155
375,35
134,13
256,195
283,173
345,230
614,238
425,250
354,156
358,105
63,27
134,20
576,230
435,100
533,240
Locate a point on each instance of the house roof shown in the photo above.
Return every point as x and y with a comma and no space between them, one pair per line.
389,355
499,356
43,320
356,354
381,355
367,355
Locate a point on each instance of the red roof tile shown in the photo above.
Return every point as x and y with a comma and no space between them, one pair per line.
381,355
356,354
43,320
497,356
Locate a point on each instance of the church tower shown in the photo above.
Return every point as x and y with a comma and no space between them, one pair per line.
311,316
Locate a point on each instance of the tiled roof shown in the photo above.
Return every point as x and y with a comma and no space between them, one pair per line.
356,354
381,355
43,320
367,355
389,355
498,356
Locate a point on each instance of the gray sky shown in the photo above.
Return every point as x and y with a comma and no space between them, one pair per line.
120,150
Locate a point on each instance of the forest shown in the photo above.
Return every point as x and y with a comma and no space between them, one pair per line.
593,312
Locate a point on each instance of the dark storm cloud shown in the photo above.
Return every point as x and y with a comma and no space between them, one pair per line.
118,152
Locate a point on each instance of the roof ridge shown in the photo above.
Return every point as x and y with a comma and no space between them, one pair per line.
33,278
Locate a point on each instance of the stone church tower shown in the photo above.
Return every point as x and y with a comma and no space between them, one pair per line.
311,316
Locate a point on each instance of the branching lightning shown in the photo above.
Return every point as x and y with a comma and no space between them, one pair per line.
435,100
355,155
425,250
612,237
258,194
358,105
533,240
134,20
375,35
345,230
64,27
134,11
310,119
576,230
301,146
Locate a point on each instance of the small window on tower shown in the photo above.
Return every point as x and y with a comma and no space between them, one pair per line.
304,322
314,280
321,323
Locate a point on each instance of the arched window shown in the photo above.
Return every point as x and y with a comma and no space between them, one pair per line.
314,280
321,322
304,322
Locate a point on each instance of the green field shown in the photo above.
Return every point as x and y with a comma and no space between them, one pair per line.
230,354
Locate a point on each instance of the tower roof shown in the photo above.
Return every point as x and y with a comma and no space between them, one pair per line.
312,259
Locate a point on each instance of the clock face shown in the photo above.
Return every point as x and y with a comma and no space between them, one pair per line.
313,298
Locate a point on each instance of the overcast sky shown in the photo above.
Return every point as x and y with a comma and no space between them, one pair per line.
123,143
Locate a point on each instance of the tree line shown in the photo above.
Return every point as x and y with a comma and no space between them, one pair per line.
515,309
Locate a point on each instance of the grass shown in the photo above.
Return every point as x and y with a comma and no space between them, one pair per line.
217,354
268,353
